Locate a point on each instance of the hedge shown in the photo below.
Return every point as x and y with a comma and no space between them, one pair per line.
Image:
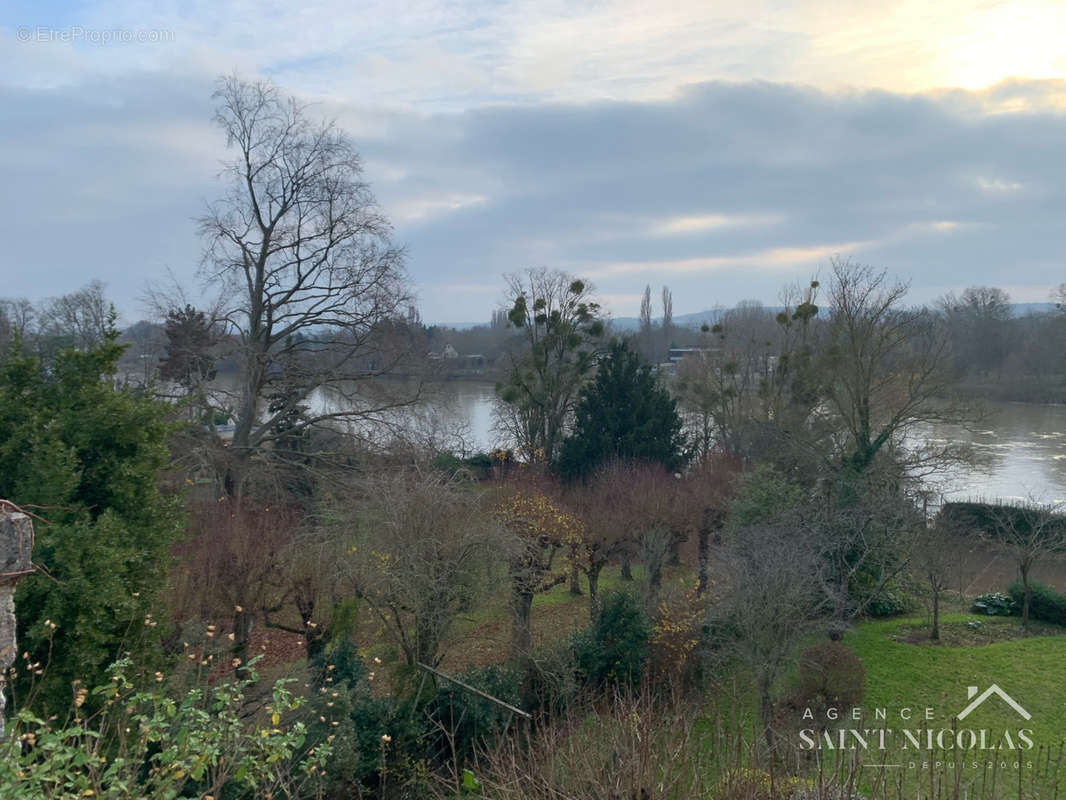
1046,604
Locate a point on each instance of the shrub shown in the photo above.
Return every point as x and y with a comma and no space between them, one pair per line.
550,682
472,721
987,519
890,602
757,784
375,740
678,632
995,604
1046,604
760,496
199,743
830,676
614,648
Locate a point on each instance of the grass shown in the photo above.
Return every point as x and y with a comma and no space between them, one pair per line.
483,635
903,671
1030,668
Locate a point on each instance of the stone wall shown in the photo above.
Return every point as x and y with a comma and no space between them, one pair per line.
16,547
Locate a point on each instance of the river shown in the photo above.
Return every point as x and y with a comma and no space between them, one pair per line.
1021,446
1021,449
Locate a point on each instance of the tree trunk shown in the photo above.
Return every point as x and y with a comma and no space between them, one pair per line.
703,545
426,645
655,580
935,635
594,592
675,549
1026,599
766,712
248,408
243,623
575,575
521,631
627,568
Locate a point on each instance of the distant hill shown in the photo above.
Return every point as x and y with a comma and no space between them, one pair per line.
694,320
712,315
1024,309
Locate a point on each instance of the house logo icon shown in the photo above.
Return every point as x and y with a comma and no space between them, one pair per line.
978,699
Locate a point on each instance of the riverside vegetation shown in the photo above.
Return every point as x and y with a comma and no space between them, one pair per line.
663,582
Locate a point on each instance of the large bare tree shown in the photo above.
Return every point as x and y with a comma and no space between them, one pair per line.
884,366
561,330
301,254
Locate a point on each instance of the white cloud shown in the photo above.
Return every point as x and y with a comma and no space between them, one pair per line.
997,185
786,259
424,207
702,223
445,54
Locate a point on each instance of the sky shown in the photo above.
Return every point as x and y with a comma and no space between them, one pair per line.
722,149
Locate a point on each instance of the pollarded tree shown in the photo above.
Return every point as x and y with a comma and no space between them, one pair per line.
559,320
300,254
624,413
537,529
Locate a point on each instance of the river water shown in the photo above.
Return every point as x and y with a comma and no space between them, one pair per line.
1021,446
1022,454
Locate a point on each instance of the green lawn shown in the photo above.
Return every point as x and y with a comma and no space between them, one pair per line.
1031,669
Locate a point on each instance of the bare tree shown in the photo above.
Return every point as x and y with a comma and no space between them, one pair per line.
1028,531
17,316
865,532
604,505
419,557
635,507
704,497
884,367
235,560
300,252
560,322
773,603
80,319
936,564
978,325
747,391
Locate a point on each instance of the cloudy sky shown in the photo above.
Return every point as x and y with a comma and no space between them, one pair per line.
723,149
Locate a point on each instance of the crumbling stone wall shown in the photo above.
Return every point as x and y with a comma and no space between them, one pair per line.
16,547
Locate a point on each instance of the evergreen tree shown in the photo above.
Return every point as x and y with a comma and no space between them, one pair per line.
188,361
623,413
87,455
